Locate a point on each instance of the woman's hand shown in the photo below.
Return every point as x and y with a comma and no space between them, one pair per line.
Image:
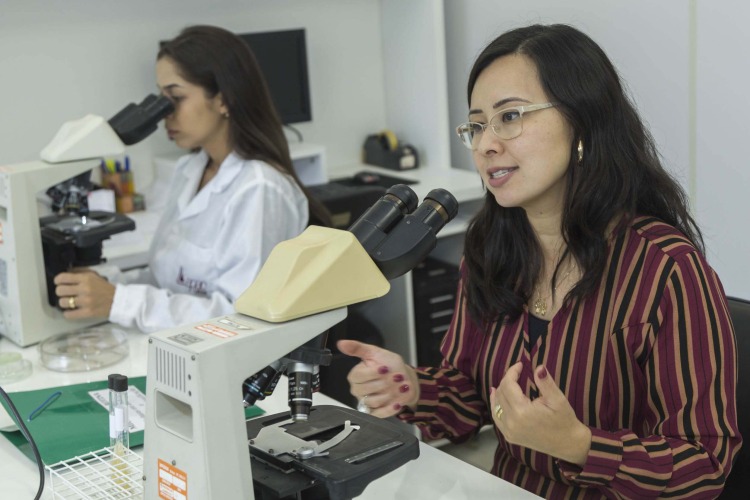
84,294
382,380
547,424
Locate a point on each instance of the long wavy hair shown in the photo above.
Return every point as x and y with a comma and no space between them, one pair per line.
621,174
221,62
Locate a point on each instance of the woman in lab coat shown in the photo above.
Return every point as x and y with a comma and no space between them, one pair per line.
231,200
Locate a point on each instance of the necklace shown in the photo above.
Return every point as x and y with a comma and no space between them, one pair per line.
540,304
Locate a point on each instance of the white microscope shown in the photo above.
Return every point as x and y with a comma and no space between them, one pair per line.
197,442
33,248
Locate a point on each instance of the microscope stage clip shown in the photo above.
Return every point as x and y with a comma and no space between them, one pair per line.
274,440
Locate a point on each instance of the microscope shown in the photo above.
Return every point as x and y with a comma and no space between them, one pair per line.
34,247
197,439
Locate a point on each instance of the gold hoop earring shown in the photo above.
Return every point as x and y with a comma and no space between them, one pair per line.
580,151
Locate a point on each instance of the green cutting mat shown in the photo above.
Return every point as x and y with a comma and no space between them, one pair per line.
74,424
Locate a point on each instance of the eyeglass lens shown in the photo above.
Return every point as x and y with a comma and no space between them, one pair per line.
508,124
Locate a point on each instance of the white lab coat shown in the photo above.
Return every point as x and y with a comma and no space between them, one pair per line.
209,246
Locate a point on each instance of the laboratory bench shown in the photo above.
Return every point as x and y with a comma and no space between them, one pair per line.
434,475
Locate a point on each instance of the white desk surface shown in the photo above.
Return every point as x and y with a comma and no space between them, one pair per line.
434,475
464,185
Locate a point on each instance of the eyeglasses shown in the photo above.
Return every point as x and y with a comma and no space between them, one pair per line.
506,124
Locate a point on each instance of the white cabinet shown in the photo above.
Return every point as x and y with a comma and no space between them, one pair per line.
309,161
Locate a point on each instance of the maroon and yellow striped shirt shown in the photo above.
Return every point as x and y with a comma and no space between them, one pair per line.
648,363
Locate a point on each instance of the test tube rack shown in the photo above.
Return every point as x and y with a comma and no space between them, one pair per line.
98,475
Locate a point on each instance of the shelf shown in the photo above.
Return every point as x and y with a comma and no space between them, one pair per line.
309,163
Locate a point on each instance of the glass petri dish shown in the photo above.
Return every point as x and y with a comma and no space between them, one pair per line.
13,367
84,350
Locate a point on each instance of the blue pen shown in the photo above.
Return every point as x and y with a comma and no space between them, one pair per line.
39,409
127,164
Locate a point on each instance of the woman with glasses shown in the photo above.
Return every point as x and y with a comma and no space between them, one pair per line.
589,329
231,199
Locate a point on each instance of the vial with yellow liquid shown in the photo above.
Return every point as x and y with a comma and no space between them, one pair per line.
119,432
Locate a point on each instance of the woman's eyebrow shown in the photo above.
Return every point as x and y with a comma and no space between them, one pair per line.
169,87
499,104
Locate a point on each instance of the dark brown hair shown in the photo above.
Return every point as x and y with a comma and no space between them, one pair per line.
620,175
220,62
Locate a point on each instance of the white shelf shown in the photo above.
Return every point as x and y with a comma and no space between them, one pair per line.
309,161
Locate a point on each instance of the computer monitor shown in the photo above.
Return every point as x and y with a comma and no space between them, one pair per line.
282,56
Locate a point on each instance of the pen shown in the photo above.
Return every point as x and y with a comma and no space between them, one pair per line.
47,402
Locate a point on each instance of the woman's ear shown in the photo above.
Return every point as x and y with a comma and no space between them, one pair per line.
221,106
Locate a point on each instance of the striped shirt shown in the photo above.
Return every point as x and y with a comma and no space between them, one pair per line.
648,362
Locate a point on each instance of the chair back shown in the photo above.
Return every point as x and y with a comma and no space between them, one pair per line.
738,482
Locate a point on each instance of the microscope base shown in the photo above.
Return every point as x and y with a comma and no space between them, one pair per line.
376,448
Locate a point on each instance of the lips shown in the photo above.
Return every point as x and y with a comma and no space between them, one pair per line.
497,176
502,172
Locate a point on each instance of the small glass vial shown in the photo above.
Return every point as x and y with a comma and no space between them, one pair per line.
119,433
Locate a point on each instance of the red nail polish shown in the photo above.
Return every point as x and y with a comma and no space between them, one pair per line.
396,406
398,378
543,372
383,370
404,388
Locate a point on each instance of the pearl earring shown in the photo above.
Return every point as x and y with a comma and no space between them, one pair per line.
580,151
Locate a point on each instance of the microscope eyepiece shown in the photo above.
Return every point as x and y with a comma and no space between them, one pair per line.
404,194
136,122
373,225
446,201
438,208
407,238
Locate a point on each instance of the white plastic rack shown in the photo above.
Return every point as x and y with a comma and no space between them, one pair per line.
98,475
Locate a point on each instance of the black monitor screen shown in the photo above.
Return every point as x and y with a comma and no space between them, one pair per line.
282,57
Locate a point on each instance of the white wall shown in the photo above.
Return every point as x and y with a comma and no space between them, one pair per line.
686,66
62,60
653,61
722,191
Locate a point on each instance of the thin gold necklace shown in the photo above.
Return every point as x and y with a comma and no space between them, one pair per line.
540,304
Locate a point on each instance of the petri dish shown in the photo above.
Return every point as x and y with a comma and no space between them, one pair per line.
13,367
84,350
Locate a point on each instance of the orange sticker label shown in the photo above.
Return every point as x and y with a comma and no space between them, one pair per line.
216,331
172,482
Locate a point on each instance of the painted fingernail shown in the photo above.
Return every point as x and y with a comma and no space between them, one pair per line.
383,370
404,388
398,378
543,372
396,406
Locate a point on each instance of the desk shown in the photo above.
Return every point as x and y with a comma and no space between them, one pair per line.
434,475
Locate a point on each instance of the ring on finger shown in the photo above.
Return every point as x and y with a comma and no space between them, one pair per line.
362,405
498,411
72,302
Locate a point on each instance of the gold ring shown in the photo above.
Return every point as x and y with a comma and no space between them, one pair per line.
362,405
498,411
71,302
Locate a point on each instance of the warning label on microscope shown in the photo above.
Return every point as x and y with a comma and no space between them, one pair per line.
172,482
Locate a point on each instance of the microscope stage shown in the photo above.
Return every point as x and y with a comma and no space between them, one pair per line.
369,448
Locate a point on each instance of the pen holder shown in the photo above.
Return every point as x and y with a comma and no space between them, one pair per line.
119,182
126,199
